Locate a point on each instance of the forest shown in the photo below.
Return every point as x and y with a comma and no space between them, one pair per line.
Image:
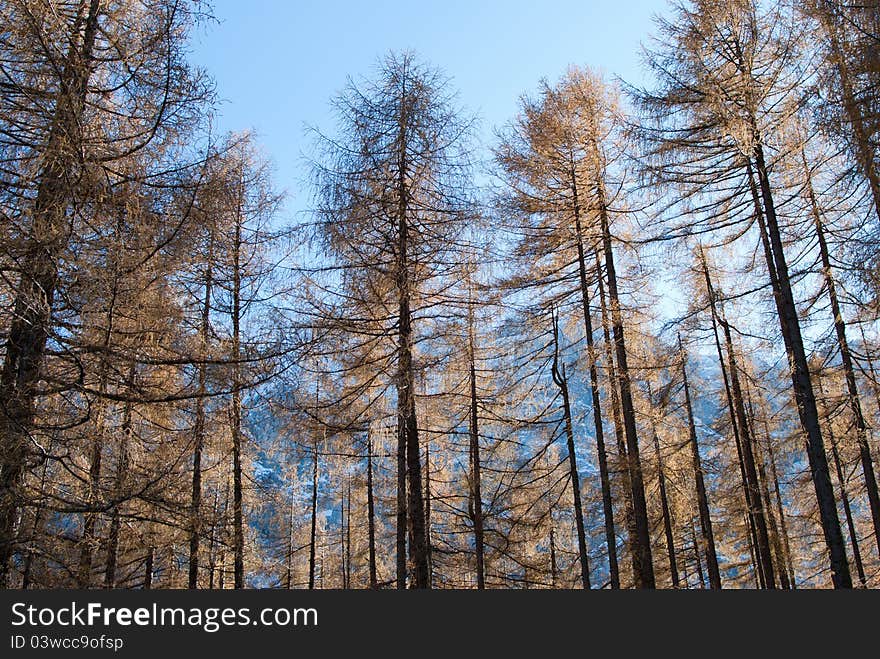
634,347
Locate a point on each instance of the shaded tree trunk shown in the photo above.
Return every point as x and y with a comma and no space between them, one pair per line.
561,381
700,577
314,521
758,513
621,468
407,425
664,505
702,497
786,543
640,544
844,497
237,504
371,516
199,427
801,383
607,504
476,494
734,425
846,360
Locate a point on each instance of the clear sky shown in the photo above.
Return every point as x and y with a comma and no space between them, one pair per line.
278,63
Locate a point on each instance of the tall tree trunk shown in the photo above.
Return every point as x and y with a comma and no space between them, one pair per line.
846,359
212,541
783,525
553,569
407,424
607,503
401,505
224,538
801,383
199,427
620,469
119,485
348,537
699,564
428,511
314,521
844,495
640,544
734,426
476,494
34,297
371,515
664,504
702,497
343,572
559,378
237,504
288,576
763,551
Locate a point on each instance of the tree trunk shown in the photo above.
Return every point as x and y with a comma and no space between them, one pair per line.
697,561
348,537
237,512
702,498
288,577
407,424
119,486
640,544
371,515
212,541
844,497
664,505
846,360
313,533
734,426
199,428
343,572
474,436
801,384
758,513
786,544
607,503
620,468
559,378
428,511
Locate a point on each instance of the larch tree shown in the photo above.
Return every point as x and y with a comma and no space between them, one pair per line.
392,198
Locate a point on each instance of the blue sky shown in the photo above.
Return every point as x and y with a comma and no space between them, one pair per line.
278,63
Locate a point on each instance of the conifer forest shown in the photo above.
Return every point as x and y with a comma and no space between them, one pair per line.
630,343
